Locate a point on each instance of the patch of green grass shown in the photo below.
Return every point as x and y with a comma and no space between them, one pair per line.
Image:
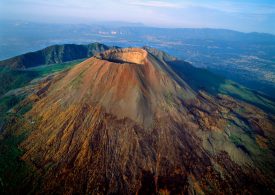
235,139
6,103
261,157
49,69
13,171
25,109
237,91
202,79
12,79
242,139
169,99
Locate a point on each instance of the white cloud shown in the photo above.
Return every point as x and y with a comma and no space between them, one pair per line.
158,4
234,14
222,6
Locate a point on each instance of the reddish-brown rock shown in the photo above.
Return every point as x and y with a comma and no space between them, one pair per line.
124,122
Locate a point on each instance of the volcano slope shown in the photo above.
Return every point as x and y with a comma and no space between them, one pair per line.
124,122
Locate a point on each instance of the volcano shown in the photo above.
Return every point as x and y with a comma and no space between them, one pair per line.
124,122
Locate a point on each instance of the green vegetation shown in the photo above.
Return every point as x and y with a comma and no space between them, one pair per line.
170,99
202,79
6,103
247,143
11,79
49,69
53,55
235,140
14,172
242,93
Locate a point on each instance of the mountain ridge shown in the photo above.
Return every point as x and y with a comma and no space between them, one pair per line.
54,54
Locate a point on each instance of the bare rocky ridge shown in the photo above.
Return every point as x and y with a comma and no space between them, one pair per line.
124,122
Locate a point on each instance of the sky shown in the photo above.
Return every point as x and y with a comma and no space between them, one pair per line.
241,15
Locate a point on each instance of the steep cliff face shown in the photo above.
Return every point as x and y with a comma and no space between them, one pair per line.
124,122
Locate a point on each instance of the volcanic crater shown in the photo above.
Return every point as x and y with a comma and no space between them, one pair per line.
127,55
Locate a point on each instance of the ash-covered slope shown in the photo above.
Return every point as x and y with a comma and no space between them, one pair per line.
126,82
124,122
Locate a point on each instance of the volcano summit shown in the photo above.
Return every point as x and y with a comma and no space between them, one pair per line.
124,122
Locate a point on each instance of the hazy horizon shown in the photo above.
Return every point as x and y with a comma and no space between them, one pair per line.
109,24
243,16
